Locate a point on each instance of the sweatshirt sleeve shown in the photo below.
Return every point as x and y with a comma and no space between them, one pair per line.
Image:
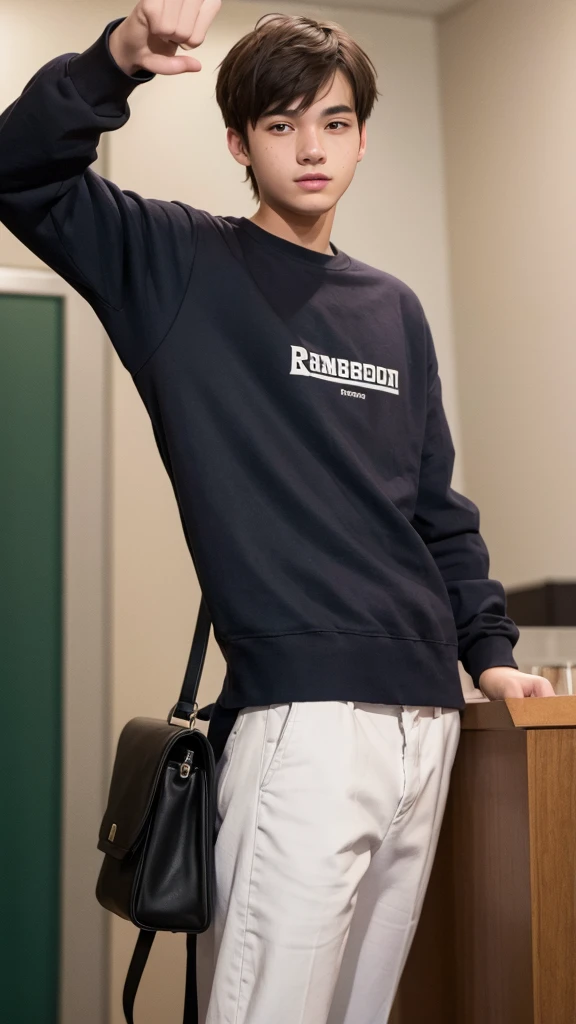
129,257
449,524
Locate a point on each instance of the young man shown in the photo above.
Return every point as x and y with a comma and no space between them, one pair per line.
296,404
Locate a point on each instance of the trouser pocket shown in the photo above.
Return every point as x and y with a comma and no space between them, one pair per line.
279,723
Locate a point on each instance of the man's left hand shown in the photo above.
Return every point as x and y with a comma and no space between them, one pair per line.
498,683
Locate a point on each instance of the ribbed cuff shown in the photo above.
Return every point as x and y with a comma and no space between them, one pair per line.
101,83
490,652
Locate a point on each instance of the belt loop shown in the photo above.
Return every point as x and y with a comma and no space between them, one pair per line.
437,712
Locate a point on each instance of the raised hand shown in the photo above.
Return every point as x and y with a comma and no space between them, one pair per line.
151,35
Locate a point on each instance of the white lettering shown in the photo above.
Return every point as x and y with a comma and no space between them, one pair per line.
377,378
299,356
328,365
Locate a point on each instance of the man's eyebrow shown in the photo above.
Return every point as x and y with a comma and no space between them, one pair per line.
341,108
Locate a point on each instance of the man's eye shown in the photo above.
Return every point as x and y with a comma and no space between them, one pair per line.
337,124
278,128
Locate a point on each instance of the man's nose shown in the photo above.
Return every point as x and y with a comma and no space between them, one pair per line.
310,150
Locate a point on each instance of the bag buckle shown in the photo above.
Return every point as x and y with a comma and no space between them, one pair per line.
186,766
177,717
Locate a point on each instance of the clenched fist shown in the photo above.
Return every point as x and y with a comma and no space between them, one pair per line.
150,36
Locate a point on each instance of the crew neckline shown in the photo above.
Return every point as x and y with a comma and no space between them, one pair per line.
338,261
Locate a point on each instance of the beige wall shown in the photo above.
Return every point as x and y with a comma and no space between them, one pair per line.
509,100
173,147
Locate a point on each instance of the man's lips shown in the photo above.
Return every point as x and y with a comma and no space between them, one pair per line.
312,182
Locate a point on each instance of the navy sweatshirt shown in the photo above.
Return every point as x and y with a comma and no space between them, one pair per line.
296,404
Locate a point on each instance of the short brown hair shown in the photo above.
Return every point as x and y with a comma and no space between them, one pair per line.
283,57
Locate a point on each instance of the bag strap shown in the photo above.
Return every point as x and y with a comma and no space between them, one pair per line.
191,996
185,711
136,969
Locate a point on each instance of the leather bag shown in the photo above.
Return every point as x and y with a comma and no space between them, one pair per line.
157,834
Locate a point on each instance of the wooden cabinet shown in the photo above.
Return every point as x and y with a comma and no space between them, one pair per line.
496,943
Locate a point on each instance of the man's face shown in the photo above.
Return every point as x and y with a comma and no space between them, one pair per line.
304,162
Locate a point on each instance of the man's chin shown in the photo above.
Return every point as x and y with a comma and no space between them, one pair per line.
310,205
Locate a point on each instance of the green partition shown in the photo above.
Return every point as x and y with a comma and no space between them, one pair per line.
31,388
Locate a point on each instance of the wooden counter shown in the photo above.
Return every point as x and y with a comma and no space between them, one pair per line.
496,943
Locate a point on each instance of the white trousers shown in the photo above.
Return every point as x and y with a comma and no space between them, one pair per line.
329,814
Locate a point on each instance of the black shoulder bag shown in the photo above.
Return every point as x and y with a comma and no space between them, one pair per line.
158,830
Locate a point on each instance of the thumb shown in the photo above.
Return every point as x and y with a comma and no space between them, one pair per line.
160,64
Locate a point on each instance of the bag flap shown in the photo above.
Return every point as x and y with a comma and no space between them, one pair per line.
143,748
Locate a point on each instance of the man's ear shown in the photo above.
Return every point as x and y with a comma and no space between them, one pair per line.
238,147
363,140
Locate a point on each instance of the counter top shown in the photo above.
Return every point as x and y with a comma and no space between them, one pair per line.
520,713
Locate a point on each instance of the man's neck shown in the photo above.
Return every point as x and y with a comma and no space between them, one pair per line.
310,232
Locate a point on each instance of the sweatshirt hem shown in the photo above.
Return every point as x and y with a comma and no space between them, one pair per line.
329,665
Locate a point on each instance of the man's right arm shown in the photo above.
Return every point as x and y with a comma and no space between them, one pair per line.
129,257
